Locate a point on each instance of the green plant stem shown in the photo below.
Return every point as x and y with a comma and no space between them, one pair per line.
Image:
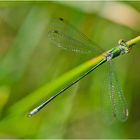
133,41
25,104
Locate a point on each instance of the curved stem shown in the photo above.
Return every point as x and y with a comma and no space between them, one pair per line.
133,41
47,90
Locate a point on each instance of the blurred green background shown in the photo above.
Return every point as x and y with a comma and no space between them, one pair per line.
30,68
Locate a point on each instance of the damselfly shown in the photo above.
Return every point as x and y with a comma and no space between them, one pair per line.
67,37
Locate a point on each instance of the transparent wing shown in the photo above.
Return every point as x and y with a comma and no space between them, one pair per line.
66,36
114,106
106,108
118,101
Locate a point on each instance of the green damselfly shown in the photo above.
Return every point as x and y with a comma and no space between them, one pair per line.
75,41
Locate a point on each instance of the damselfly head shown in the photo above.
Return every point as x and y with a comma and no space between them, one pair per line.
124,47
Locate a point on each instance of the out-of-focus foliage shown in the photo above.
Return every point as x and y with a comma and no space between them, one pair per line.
29,64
